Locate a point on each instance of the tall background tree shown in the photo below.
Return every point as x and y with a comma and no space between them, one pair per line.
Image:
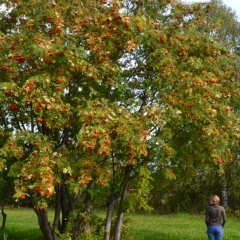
227,32
95,94
224,27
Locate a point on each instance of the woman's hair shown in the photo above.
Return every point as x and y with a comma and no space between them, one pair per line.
214,199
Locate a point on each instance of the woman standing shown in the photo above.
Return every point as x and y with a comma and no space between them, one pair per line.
215,219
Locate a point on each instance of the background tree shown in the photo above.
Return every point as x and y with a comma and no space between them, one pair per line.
94,93
228,34
224,27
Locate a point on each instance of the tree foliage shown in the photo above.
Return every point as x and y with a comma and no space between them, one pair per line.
94,93
180,194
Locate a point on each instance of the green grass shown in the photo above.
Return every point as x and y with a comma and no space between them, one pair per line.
178,227
22,225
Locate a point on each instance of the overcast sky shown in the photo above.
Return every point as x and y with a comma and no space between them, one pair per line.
234,4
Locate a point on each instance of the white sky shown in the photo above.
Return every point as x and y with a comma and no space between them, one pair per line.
234,4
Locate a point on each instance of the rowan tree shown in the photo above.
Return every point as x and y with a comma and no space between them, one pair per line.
95,92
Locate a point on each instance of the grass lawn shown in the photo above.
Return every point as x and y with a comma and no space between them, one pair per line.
178,227
22,225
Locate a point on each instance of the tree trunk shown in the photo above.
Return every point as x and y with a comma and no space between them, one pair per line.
80,221
56,222
43,222
121,211
88,204
111,204
4,219
119,226
224,193
44,225
66,200
66,205
87,212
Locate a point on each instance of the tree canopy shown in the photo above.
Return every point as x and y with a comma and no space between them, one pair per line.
96,93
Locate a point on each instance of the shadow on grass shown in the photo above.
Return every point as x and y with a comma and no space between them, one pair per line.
15,234
154,235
